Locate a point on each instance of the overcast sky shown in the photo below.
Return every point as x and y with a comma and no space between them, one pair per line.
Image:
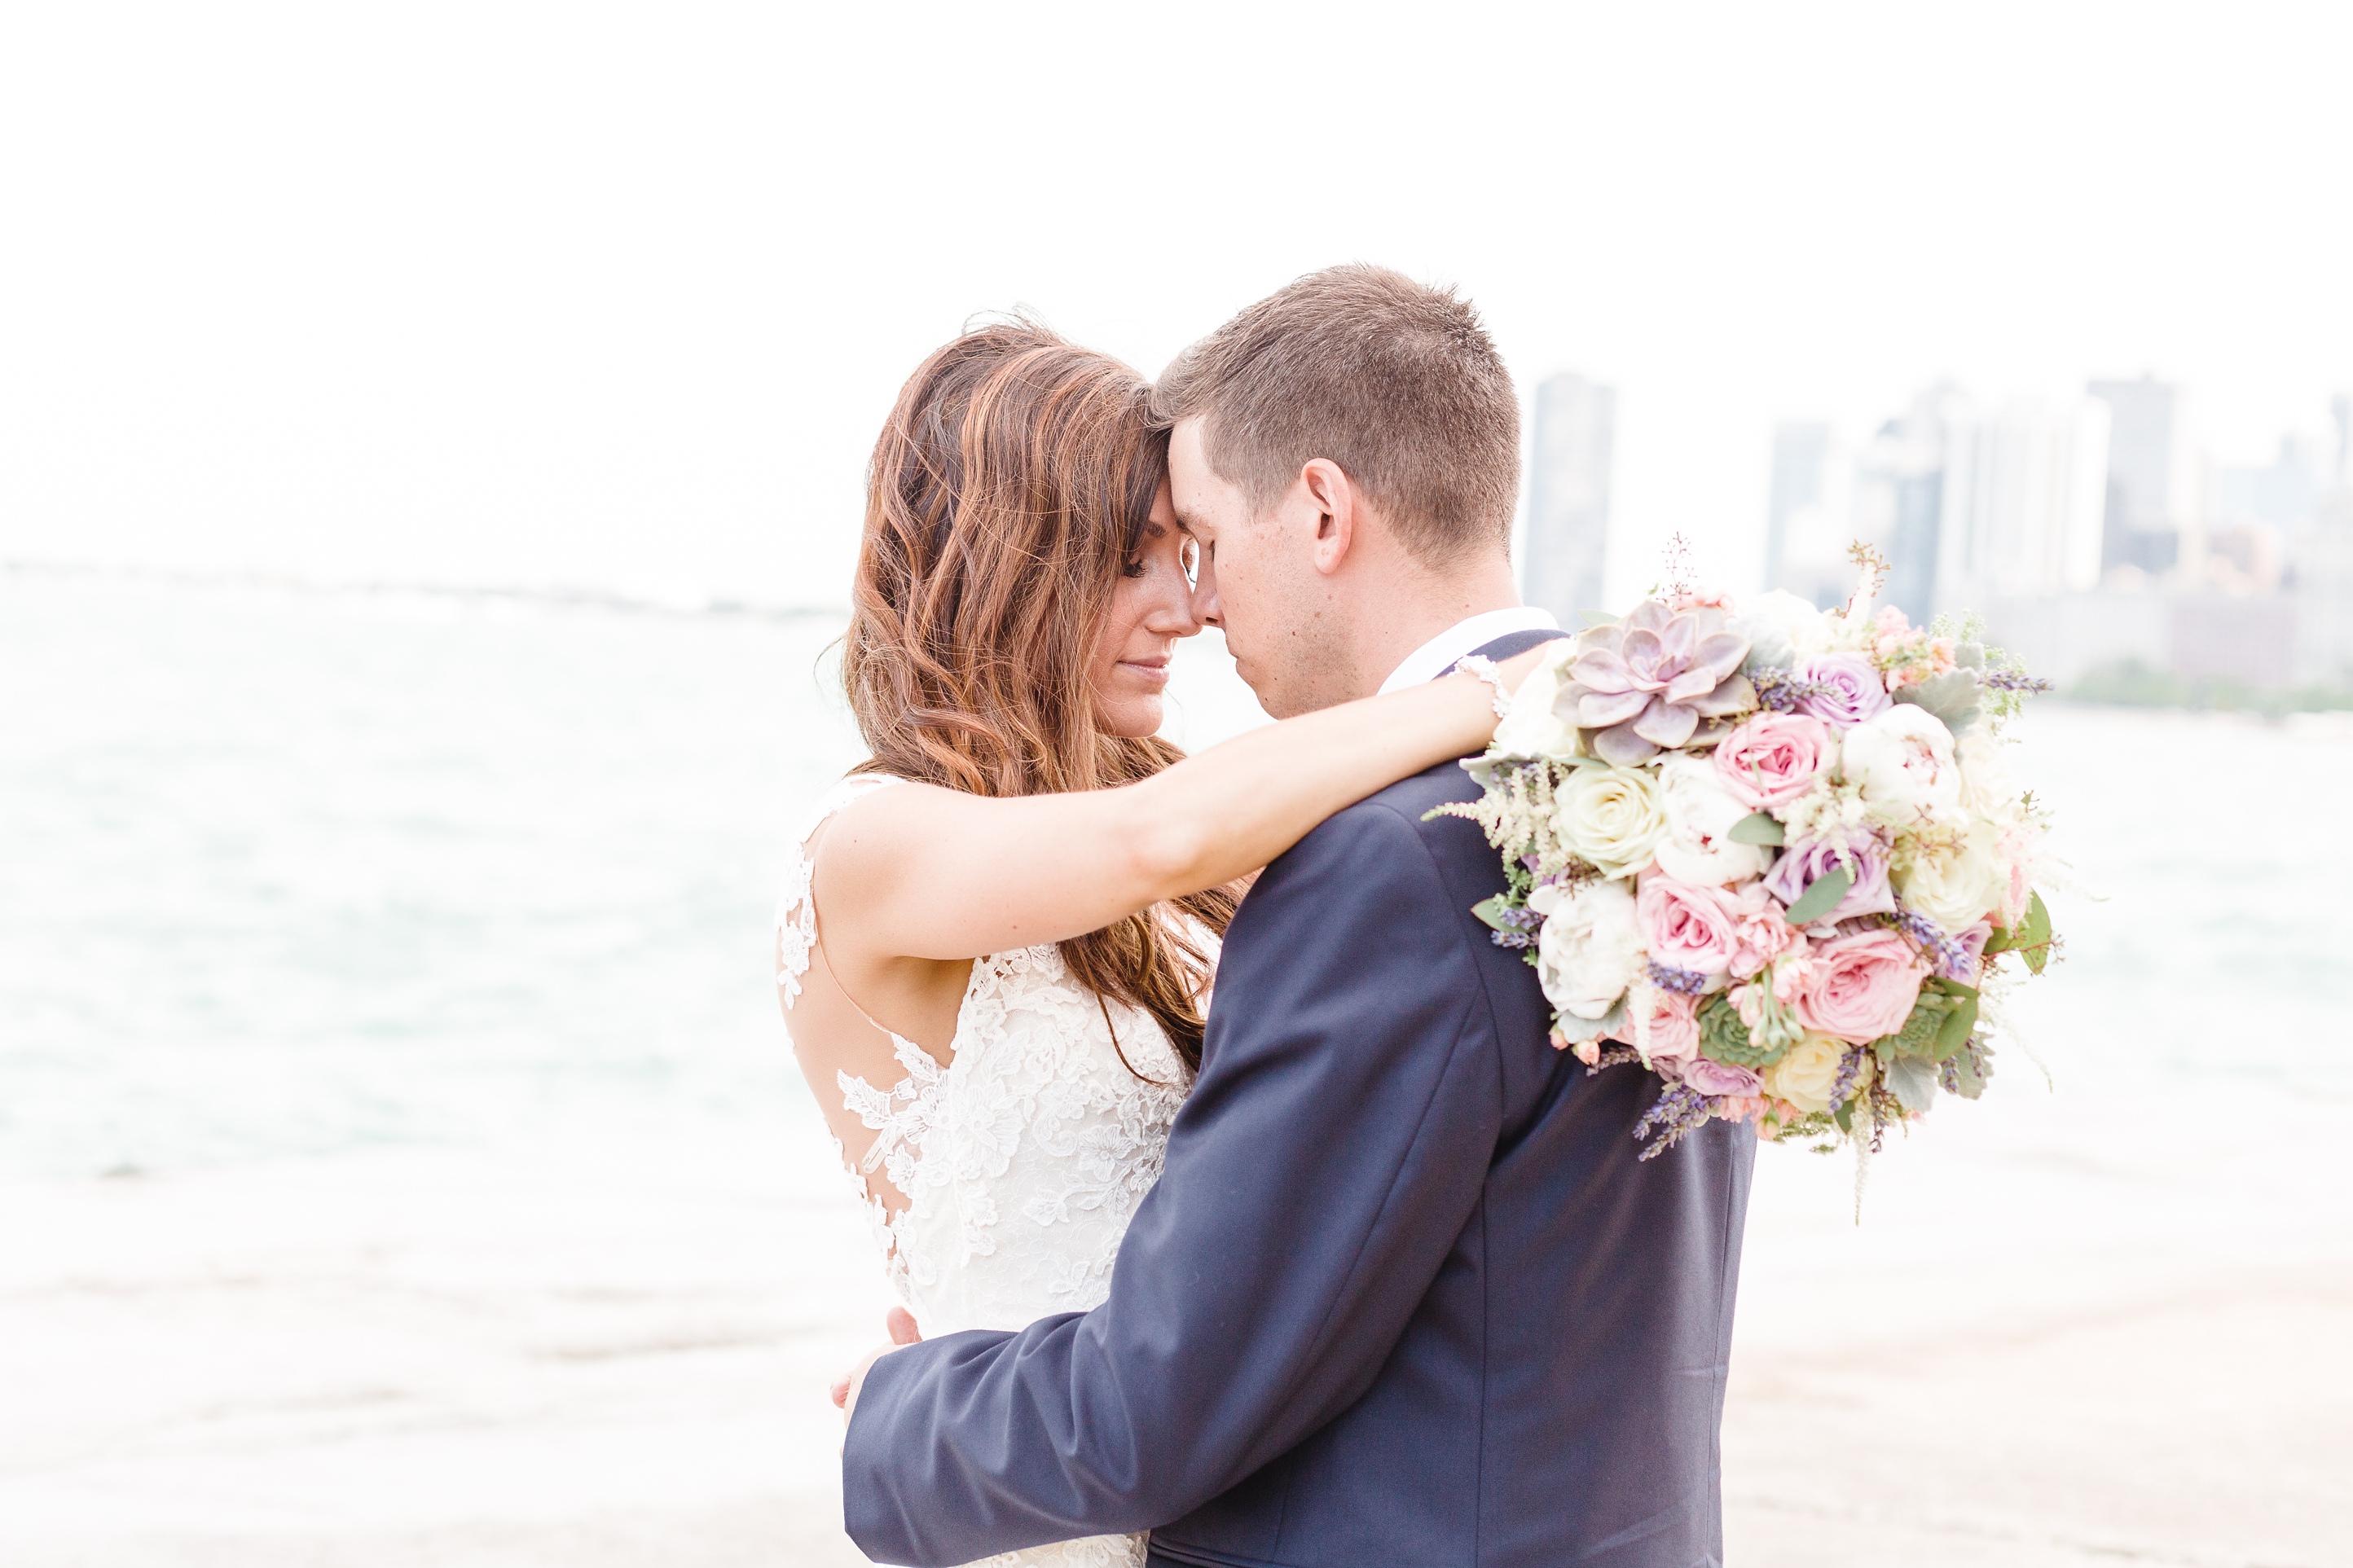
616,296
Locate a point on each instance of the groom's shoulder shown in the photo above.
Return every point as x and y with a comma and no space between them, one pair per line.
1398,821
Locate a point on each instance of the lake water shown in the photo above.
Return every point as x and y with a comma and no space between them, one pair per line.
391,1084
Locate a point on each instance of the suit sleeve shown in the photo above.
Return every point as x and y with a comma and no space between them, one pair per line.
1329,1157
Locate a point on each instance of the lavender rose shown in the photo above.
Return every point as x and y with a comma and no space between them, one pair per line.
1802,865
1848,688
1709,1076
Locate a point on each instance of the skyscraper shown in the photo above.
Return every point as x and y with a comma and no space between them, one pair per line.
2023,503
1568,496
1801,461
1899,496
2147,514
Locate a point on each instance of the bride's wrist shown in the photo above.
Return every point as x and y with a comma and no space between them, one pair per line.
1479,666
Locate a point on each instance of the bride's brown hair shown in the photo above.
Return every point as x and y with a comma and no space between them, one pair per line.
1008,492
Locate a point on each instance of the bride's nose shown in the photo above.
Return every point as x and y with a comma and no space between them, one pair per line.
1172,613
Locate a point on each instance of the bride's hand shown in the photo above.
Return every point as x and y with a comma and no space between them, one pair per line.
901,1325
1520,666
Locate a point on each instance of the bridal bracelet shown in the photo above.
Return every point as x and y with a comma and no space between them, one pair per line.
1482,667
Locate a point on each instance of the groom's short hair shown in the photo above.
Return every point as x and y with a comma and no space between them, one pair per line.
1396,382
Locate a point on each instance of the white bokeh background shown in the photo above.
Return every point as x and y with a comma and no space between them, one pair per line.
614,296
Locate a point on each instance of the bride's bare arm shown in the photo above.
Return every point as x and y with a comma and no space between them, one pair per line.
927,873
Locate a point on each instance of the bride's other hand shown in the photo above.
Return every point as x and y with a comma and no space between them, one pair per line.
899,1323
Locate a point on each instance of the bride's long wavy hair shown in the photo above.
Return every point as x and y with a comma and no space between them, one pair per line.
1008,492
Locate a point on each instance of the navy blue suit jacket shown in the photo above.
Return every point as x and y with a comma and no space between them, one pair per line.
1403,1295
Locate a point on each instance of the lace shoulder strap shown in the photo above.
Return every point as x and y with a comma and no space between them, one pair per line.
796,911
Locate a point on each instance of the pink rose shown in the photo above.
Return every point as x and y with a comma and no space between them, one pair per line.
1759,933
1673,1022
1685,926
1860,986
1773,759
1712,1076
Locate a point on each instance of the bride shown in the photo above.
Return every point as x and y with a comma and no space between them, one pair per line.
999,934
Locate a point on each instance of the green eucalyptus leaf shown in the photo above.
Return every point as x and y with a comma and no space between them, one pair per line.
1958,1025
1596,617
1496,911
1757,828
1822,896
2034,940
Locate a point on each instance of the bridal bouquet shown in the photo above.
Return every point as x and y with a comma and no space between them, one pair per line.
1771,853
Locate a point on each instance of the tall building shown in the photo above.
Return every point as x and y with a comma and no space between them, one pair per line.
2023,506
2149,512
1802,484
1899,495
1568,497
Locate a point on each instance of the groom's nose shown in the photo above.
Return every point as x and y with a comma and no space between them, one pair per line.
1207,610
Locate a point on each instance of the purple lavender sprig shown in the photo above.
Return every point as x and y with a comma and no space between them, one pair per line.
1952,959
1615,1056
1683,982
2012,680
1850,1069
1520,927
1782,691
1673,1116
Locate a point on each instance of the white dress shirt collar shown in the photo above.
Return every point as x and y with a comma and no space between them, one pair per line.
1436,657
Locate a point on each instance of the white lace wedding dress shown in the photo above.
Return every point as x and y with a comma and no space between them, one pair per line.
1021,1161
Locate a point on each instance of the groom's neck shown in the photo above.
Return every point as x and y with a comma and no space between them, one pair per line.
1400,611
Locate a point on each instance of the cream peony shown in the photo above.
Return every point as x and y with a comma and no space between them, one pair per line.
1589,950
1986,787
1612,817
1780,628
1532,729
1901,760
1808,1075
1953,876
1699,811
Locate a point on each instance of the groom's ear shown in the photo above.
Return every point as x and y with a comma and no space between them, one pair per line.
1338,511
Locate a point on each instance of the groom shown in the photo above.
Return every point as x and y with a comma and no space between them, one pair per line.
1404,1295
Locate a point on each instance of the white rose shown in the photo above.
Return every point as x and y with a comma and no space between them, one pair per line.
1808,1074
1902,760
1986,787
1700,812
1589,950
1952,876
1781,628
1532,729
1612,818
